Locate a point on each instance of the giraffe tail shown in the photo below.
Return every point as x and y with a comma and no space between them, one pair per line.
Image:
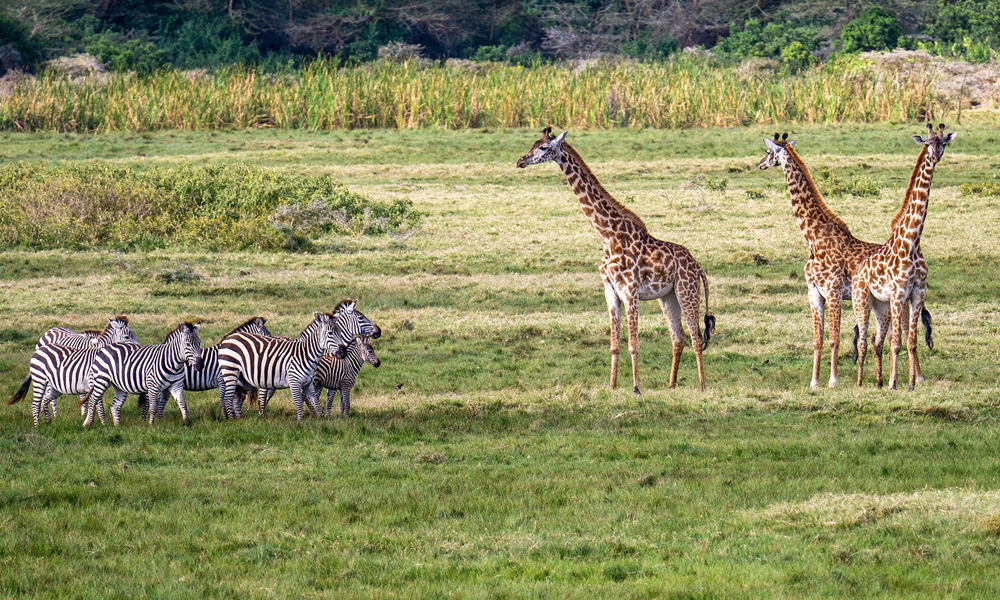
709,319
925,316
854,352
23,390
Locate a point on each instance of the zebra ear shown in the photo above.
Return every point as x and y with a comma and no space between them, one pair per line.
196,327
351,305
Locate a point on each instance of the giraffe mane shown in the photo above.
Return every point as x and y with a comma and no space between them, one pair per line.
614,204
909,189
833,218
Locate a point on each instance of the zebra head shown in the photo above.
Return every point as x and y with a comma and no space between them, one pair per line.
116,331
331,334
186,337
353,322
369,352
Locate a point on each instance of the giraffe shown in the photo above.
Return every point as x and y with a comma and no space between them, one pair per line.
635,266
834,253
889,277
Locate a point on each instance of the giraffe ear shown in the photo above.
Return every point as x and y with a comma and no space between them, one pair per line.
770,145
790,144
948,138
560,138
919,140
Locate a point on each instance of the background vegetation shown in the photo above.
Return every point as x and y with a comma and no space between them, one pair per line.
487,458
140,36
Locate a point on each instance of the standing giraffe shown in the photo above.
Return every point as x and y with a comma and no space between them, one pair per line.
834,253
889,277
635,266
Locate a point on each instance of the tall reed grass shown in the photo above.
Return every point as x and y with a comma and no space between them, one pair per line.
326,95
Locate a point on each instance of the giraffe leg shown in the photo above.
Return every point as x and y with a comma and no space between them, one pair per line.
632,316
862,302
672,312
916,308
834,305
896,307
882,322
689,297
818,305
615,313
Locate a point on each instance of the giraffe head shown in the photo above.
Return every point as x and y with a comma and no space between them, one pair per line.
777,153
935,142
545,149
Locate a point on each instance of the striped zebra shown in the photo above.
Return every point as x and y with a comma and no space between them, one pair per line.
57,370
254,361
66,337
155,370
207,378
340,374
352,323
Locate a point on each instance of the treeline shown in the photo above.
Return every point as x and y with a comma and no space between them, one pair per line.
144,35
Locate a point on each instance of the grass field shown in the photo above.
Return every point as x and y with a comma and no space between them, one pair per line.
487,458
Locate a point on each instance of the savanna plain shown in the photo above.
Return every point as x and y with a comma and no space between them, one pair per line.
488,458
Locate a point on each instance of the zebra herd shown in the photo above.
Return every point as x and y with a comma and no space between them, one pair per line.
248,364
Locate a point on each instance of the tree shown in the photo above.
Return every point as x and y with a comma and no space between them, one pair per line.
874,29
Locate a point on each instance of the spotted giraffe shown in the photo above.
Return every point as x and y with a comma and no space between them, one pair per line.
834,253
635,266
890,276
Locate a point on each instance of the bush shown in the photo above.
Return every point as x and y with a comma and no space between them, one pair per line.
20,47
863,186
211,208
137,54
490,54
756,40
980,189
873,29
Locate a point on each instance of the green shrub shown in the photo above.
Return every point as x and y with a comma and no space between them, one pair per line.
757,40
214,208
973,22
139,55
22,48
980,189
862,186
490,54
873,29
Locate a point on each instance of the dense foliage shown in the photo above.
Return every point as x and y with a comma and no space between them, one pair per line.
142,36
232,207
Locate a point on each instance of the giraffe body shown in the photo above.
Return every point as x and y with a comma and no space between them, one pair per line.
892,281
635,266
835,254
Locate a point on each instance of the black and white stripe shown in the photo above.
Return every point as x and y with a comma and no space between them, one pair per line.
340,374
66,337
154,370
250,360
351,323
57,370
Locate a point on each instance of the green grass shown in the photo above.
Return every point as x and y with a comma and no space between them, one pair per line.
503,467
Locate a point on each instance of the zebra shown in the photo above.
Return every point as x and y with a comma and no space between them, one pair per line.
337,374
352,323
277,362
66,337
57,370
207,378
154,370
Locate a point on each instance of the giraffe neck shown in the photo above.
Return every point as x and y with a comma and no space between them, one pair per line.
608,216
908,224
814,217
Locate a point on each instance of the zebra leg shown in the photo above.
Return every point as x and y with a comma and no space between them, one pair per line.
116,406
52,406
297,390
96,401
330,393
264,396
143,404
345,401
161,403
309,396
177,391
227,395
39,393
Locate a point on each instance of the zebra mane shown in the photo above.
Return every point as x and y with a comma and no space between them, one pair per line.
340,305
94,331
187,324
245,323
107,327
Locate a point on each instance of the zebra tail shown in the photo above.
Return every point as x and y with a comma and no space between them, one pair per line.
85,399
252,397
709,319
925,316
21,391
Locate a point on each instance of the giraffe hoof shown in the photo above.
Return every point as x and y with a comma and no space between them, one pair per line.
833,382
814,385
636,391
